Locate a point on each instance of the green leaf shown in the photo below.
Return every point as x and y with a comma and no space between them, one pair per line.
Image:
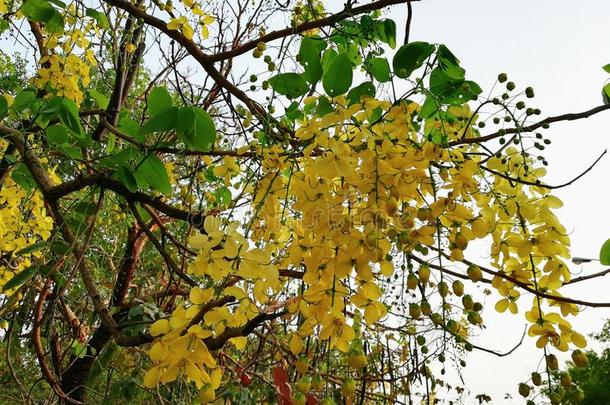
131,127
57,134
38,10
337,79
309,57
324,107
604,253
100,99
450,90
410,57
379,68
35,247
68,114
291,85
158,100
366,89
449,63
196,128
390,32
153,172
164,120
3,107
428,108
20,278
100,17
23,177
606,68
606,94
23,100
67,111
127,178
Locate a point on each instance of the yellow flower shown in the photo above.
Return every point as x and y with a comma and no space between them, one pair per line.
181,24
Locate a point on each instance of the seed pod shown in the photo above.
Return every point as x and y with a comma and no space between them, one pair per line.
458,288
411,281
551,361
579,358
536,378
524,390
424,274
474,273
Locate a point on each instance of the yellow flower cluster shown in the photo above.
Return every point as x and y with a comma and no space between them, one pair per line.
367,189
23,222
66,76
183,25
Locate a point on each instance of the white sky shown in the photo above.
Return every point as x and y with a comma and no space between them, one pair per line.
557,47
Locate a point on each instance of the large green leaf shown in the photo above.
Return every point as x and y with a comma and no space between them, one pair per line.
38,10
164,120
604,253
20,278
23,100
410,57
449,63
153,172
366,89
291,85
379,68
309,57
127,178
337,79
158,100
196,128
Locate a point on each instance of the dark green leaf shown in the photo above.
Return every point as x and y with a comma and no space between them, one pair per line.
428,108
100,99
390,33
293,112
158,100
23,177
309,57
606,94
449,63
410,57
131,127
606,68
153,172
324,107
291,85
163,121
3,107
196,128
337,79
57,134
38,10
379,68
604,253
100,17
20,278
366,89
67,111
35,247
60,248
23,100
127,178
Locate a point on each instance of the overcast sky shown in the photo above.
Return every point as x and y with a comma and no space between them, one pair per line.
557,47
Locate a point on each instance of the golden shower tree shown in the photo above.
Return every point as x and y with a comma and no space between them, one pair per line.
240,202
